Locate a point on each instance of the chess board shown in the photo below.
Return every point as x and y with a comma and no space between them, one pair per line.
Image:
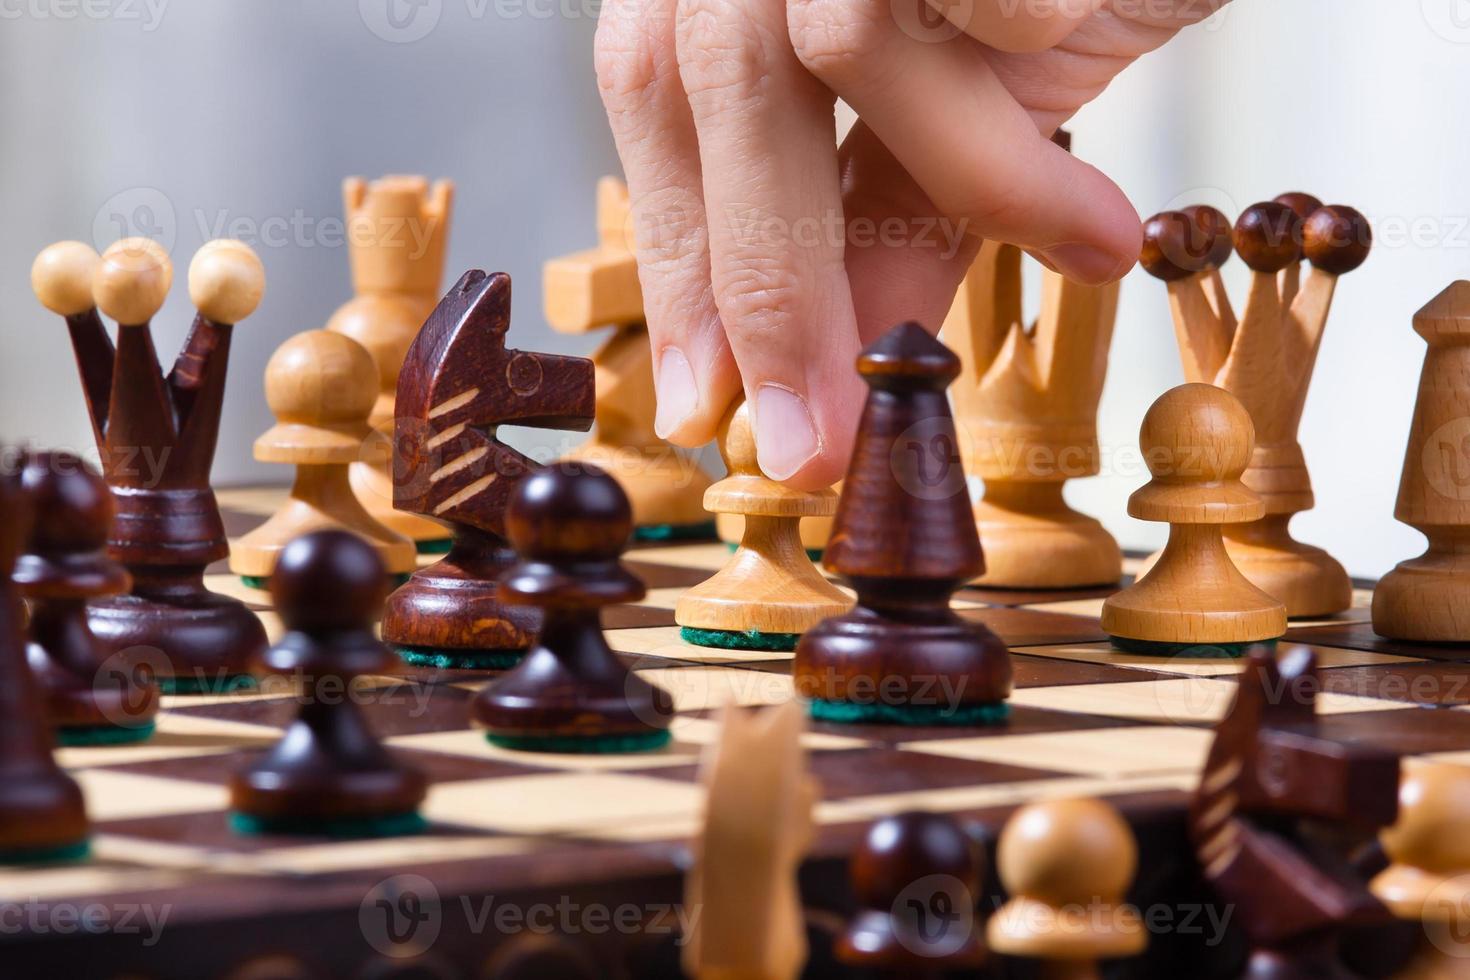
587,852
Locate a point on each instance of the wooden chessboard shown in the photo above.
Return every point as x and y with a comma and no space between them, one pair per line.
541,831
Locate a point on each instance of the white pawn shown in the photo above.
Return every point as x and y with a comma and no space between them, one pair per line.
769,592
1067,865
1196,440
1429,879
321,386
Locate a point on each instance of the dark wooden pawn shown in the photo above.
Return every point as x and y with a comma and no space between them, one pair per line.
569,523
329,774
459,382
905,539
42,814
92,695
917,880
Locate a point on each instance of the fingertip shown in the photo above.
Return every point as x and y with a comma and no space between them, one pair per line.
1107,258
805,440
690,402
1103,232
1089,264
823,471
1040,27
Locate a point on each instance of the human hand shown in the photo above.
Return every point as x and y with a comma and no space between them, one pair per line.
769,255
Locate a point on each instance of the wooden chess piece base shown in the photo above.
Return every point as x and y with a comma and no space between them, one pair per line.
909,663
43,817
1033,540
321,499
1308,580
108,709
195,641
1423,599
328,775
1049,938
448,616
373,485
665,489
597,705
765,597
1193,596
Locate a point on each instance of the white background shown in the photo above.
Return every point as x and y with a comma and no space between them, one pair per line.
196,114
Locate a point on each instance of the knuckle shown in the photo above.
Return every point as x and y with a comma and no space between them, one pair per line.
757,297
626,55
720,52
669,228
835,40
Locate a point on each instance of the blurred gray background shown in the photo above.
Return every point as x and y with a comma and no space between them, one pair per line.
189,120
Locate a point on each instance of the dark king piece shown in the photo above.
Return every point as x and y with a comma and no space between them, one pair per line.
157,439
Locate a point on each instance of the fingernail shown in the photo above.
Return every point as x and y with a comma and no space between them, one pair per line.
785,435
1087,264
678,396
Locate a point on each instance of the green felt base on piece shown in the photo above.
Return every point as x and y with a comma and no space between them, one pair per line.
388,825
675,532
1192,651
263,583
739,639
595,745
851,713
815,554
104,735
438,546
205,685
460,659
59,854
